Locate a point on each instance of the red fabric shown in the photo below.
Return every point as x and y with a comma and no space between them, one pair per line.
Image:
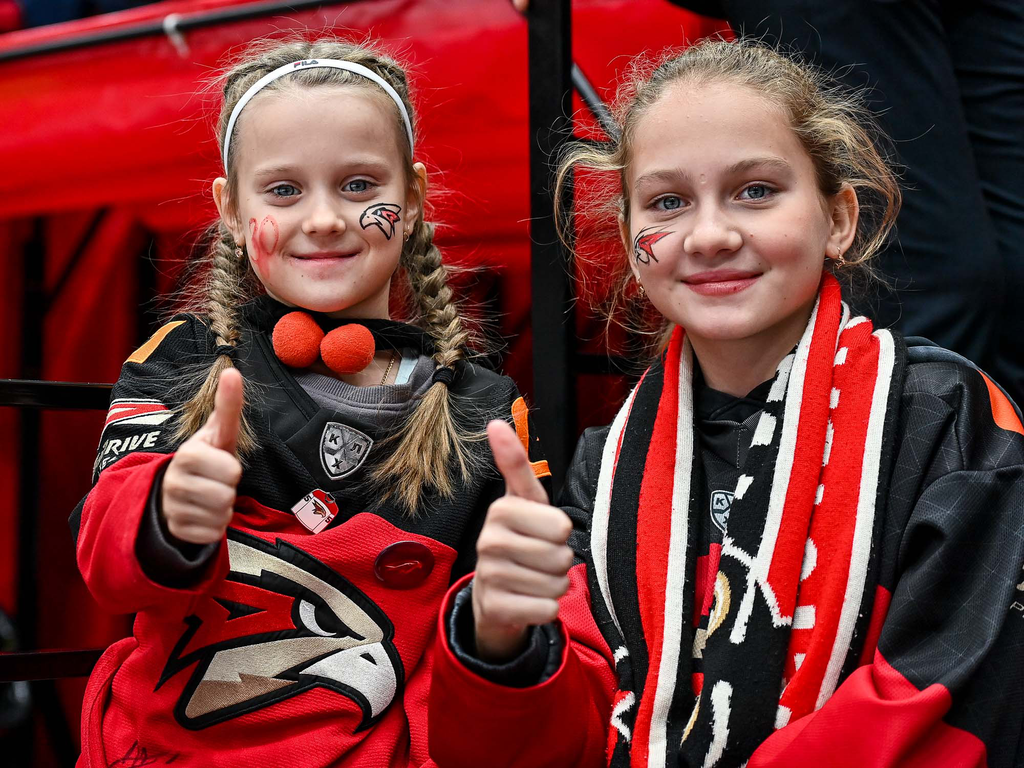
10,15
879,610
106,543
130,715
875,699
567,714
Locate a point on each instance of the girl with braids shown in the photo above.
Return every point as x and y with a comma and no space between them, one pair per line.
800,541
289,479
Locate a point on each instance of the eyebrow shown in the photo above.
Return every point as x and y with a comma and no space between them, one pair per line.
360,163
770,162
274,170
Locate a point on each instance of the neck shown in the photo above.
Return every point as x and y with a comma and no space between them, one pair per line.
371,375
737,366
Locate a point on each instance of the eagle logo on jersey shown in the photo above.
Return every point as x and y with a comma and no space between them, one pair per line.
343,449
291,624
384,216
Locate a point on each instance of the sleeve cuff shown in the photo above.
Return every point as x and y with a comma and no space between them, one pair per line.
163,559
539,660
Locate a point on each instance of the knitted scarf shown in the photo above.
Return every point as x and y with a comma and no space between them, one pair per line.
795,580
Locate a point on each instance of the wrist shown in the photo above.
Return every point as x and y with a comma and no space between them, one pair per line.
498,644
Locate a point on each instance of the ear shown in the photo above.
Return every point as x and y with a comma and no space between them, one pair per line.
226,209
627,246
844,210
415,194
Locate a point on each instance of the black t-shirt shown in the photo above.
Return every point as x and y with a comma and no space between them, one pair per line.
725,426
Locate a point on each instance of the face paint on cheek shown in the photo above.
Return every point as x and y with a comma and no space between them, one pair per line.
643,244
384,216
265,237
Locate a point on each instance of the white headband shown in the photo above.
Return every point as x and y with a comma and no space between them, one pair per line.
348,66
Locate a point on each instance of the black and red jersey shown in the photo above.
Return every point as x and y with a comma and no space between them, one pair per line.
290,648
936,675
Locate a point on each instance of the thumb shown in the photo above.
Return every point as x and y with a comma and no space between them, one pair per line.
221,429
513,463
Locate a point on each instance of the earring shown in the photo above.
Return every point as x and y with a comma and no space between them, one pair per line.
239,253
640,287
840,259
405,236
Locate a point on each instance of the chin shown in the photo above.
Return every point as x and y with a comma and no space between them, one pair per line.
726,329
322,304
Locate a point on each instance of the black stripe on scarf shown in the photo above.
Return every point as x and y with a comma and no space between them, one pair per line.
622,520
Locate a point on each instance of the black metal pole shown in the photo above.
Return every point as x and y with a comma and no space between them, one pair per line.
33,314
30,423
594,103
550,71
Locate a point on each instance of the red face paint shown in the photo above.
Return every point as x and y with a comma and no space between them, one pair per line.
265,237
643,245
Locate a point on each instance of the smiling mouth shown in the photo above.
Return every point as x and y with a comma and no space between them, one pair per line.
720,283
323,256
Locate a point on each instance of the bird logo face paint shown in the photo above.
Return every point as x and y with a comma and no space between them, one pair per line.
643,244
384,216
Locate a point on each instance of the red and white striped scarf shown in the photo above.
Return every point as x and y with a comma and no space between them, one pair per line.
795,579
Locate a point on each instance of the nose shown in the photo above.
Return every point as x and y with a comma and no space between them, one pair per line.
323,217
712,234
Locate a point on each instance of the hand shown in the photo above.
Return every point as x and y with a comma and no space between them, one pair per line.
522,559
198,493
521,5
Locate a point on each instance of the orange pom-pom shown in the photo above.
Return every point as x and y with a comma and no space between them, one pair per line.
348,349
297,340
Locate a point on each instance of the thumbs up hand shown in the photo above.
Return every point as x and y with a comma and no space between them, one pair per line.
522,558
198,492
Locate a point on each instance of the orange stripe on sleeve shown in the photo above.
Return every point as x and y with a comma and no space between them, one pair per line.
1003,413
520,417
142,354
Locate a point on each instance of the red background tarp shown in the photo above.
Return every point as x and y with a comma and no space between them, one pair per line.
110,148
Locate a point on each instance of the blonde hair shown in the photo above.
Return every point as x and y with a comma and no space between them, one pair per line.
430,441
837,130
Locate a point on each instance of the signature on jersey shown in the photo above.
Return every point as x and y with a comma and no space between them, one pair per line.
138,756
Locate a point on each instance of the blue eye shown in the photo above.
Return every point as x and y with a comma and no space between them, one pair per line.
756,192
668,203
357,186
284,190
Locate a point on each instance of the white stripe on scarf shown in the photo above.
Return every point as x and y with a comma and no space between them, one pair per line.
602,505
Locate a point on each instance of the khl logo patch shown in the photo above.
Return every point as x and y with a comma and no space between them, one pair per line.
343,449
721,504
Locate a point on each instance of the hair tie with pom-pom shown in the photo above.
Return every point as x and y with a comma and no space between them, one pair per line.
299,341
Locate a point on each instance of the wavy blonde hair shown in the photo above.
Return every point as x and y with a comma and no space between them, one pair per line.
430,445
839,133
